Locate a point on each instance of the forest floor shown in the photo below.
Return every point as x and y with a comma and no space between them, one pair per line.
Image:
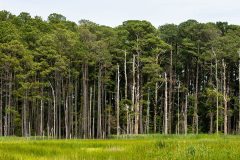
125,148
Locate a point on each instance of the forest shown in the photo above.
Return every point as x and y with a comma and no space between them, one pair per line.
63,79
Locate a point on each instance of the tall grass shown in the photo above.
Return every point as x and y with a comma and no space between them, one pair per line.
139,147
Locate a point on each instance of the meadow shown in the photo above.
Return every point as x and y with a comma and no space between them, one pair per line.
139,147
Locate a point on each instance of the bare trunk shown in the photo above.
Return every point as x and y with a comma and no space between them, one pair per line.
133,92
148,111
195,114
66,118
99,119
41,114
117,101
155,104
93,110
85,102
137,105
155,108
166,107
54,111
90,113
225,98
185,115
211,123
170,95
9,105
126,89
216,79
178,103
75,111
109,115
25,125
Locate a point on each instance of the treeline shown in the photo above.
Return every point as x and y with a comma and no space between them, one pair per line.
66,80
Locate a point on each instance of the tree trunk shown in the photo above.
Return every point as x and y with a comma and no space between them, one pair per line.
137,104
155,104
170,95
195,114
148,110
90,114
166,107
216,79
185,115
85,102
126,89
178,104
133,92
117,101
109,115
211,123
66,118
54,111
99,119
225,98
41,113
25,125
75,110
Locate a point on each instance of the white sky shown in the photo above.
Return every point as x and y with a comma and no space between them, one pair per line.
114,12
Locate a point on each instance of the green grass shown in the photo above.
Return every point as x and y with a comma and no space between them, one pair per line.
134,147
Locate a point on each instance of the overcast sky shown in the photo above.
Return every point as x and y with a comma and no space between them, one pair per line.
114,12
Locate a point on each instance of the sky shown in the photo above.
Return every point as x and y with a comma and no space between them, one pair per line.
114,12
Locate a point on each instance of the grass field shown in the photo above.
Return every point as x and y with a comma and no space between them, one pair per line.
134,147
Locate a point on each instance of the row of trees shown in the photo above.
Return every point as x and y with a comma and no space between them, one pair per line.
64,80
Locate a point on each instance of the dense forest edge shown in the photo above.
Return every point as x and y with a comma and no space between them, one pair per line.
60,79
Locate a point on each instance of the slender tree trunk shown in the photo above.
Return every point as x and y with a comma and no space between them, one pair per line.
211,123
29,129
54,111
155,108
75,110
93,110
166,107
61,102
9,105
137,105
117,101
148,111
170,94
178,104
99,119
90,113
25,125
141,106
133,92
126,89
155,104
185,115
109,115
216,79
225,98
41,113
195,114
85,102
66,118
